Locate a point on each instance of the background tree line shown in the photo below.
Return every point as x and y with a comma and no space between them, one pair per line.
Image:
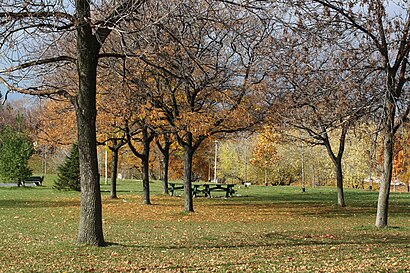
260,157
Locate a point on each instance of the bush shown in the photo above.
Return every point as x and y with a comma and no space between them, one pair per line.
69,172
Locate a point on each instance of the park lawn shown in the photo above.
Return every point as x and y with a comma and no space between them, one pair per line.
265,229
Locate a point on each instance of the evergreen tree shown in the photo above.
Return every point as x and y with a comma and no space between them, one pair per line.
69,172
15,150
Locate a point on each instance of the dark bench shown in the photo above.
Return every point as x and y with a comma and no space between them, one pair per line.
37,180
227,188
205,188
174,186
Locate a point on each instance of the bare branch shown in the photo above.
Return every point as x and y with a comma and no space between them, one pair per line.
355,24
41,15
34,90
39,62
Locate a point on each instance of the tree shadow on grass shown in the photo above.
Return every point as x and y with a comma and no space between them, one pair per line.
25,203
305,209
320,204
128,191
283,240
327,196
285,243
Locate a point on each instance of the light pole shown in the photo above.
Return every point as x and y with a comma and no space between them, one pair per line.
209,169
216,159
266,172
246,164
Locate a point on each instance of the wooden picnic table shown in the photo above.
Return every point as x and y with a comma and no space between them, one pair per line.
205,188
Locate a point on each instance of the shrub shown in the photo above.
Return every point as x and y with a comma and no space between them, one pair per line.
69,172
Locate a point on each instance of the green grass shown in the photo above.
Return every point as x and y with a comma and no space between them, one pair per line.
264,229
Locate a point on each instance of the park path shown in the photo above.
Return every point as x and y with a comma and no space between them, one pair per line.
8,184
15,184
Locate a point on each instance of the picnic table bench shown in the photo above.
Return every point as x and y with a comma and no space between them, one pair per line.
205,188
37,180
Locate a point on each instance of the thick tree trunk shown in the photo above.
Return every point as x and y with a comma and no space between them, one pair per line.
145,174
114,170
188,204
90,228
384,192
339,177
164,175
165,161
145,181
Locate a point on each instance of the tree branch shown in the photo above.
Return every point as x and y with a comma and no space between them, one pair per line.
105,27
34,90
354,23
35,14
39,62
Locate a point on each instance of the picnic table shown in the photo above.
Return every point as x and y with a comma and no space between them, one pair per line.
205,188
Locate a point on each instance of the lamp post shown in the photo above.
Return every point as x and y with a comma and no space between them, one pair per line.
209,169
266,172
246,164
216,159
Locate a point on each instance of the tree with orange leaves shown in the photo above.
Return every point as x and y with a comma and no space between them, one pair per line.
207,74
57,123
264,154
401,170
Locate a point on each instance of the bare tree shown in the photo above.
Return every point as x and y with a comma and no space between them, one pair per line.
381,30
145,135
206,57
316,93
139,126
164,142
31,33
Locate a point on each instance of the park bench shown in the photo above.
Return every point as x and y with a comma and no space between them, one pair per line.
36,180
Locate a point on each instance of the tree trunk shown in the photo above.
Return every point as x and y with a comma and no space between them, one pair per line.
388,134
337,162
339,177
90,228
145,174
114,170
144,156
164,175
165,161
188,204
